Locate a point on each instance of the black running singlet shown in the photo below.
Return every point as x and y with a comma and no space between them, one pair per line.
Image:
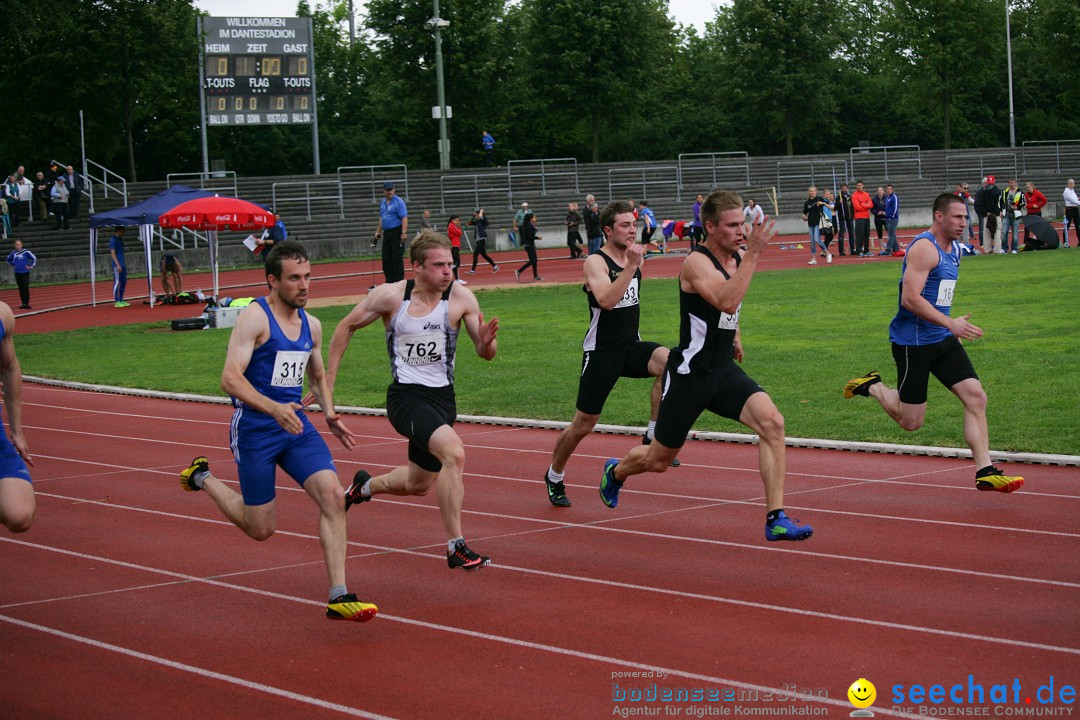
706,334
617,328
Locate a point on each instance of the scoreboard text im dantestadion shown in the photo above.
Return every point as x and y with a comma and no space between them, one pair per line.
258,71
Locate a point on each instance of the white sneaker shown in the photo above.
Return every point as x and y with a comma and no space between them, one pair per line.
494,268
470,272
813,261
1000,252
1013,252
463,282
828,258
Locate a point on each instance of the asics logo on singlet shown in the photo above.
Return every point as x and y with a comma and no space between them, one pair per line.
432,326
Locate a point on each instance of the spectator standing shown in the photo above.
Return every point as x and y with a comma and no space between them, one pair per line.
648,220
519,219
892,219
425,222
573,235
812,215
1035,202
41,198
394,224
75,185
862,205
987,207
453,231
489,147
879,215
529,236
963,192
1012,209
22,262
116,252
592,225
1072,211
480,222
271,236
752,214
11,194
60,194
696,232
827,224
845,220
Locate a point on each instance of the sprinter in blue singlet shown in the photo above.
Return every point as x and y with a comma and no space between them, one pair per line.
273,348
926,339
17,502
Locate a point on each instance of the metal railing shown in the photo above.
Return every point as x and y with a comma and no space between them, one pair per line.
980,165
279,196
643,181
881,157
177,237
475,190
686,165
1070,154
818,171
88,183
543,174
120,188
353,171
207,181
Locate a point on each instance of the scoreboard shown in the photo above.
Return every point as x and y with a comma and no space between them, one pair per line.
258,71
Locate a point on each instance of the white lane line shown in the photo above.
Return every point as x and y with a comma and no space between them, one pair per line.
195,670
904,627
601,525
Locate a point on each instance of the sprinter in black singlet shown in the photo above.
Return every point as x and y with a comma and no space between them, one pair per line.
702,372
613,347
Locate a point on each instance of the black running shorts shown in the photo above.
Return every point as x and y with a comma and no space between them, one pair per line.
723,391
416,412
947,360
601,369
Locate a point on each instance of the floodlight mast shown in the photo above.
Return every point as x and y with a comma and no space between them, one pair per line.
437,24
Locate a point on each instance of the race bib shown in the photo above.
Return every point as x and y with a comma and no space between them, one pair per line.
631,296
289,367
421,348
945,292
729,322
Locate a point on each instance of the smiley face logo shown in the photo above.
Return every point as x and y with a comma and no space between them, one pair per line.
862,693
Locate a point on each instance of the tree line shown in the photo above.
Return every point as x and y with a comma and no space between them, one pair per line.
596,80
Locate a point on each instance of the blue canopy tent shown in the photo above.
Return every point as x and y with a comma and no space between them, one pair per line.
145,214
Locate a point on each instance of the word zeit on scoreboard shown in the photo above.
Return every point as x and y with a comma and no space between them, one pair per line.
258,71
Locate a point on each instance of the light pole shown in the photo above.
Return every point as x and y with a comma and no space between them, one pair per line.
1008,54
436,23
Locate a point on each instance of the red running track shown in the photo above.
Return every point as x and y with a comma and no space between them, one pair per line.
130,598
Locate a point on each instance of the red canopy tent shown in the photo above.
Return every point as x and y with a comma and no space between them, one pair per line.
217,213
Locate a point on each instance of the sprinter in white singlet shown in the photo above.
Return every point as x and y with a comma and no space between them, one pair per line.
422,318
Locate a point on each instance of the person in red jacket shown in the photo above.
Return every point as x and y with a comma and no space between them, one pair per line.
1035,201
453,231
862,203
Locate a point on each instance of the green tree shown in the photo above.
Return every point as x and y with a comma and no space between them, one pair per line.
940,51
777,62
592,65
